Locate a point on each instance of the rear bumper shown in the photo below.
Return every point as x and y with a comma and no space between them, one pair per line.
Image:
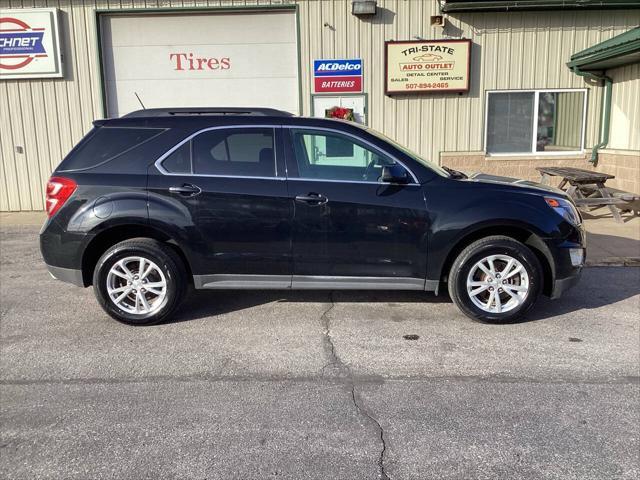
68,275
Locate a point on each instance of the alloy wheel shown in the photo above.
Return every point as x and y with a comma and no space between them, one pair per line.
498,284
136,285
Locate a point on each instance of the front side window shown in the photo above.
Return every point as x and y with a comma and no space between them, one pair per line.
332,156
535,121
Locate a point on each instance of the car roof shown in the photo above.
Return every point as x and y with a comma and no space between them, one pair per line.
208,118
191,111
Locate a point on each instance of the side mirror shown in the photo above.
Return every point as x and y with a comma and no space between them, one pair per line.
395,173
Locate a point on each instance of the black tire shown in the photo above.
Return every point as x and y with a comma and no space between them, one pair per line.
494,245
162,255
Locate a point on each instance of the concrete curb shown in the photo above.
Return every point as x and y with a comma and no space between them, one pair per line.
614,262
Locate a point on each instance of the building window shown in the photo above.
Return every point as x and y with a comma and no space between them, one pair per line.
535,121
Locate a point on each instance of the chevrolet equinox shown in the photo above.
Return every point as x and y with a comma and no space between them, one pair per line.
151,203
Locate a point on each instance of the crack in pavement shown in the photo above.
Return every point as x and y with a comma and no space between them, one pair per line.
343,370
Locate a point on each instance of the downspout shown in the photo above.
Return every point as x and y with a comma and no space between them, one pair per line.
605,115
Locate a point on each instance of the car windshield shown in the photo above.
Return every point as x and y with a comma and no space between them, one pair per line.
427,163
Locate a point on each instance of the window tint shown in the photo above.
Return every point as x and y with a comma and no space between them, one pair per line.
106,143
330,156
241,152
179,161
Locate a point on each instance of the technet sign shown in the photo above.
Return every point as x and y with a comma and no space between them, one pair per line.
337,76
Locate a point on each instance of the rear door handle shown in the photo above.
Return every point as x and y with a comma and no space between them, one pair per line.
186,190
312,199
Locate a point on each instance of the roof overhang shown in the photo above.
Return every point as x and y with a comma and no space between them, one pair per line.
620,50
453,6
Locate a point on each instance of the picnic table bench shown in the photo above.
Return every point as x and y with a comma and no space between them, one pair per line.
587,189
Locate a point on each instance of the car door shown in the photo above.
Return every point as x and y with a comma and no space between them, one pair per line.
234,185
351,229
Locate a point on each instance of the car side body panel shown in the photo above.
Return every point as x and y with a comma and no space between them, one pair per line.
245,226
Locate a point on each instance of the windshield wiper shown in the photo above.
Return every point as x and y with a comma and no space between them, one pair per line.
454,173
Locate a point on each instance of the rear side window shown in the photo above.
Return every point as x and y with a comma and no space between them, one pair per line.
106,143
179,161
234,152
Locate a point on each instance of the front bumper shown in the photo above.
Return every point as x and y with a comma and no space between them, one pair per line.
561,285
68,275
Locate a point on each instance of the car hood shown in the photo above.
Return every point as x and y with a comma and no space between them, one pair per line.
514,182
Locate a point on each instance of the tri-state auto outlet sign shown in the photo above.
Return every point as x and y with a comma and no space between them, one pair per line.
427,66
29,43
337,76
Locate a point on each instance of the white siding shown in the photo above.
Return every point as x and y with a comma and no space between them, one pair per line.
511,50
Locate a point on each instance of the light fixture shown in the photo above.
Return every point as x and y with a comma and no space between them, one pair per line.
437,21
364,7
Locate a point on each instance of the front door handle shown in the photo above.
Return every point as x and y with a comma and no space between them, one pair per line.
186,190
312,199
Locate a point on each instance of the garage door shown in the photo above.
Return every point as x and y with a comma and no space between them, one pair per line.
200,59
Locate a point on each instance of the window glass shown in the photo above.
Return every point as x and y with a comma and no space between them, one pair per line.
423,161
330,156
235,152
557,125
559,121
179,161
106,143
509,121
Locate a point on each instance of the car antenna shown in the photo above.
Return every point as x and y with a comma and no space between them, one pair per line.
136,94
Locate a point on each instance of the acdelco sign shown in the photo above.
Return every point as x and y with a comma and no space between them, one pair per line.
337,76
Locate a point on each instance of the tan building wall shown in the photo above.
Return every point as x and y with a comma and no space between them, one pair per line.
510,51
625,108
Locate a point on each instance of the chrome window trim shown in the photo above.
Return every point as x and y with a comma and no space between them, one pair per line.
161,169
366,182
361,140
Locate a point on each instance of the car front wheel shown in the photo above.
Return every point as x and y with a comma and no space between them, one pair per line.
495,279
140,281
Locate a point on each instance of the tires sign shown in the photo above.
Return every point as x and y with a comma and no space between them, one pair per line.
337,76
29,44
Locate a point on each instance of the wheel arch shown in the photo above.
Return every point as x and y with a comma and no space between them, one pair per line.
118,233
520,233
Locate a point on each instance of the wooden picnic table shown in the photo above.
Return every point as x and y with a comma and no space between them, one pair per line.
586,187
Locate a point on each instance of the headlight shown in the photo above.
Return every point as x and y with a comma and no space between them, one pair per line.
565,208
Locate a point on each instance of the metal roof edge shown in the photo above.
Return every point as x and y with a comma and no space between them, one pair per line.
532,5
618,46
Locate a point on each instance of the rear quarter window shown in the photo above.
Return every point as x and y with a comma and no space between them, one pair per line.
106,143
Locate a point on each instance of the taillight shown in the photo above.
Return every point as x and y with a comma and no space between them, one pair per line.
59,189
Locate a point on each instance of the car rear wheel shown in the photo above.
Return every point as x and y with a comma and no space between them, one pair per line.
140,281
495,279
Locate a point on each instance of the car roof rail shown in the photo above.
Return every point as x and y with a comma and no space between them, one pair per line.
188,111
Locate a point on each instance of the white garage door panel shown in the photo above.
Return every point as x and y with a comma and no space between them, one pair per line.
280,94
256,60
242,64
220,28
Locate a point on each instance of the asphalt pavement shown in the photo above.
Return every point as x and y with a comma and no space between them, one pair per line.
325,385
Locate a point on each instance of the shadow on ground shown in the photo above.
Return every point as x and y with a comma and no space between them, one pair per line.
592,292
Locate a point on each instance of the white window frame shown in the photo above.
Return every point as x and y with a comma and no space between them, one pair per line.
533,152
